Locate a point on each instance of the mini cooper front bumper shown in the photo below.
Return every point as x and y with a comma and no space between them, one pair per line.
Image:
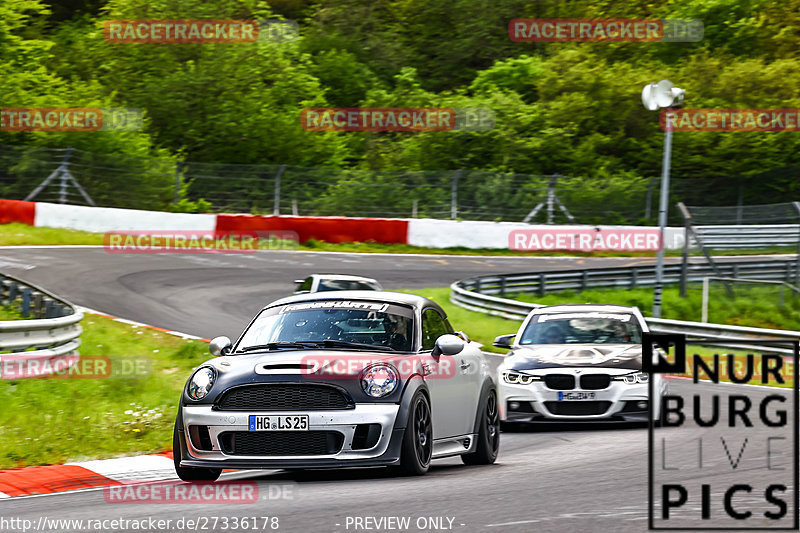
364,435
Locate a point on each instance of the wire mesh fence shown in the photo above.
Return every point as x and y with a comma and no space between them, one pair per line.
59,174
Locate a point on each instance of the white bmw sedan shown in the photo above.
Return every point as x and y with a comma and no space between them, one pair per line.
576,362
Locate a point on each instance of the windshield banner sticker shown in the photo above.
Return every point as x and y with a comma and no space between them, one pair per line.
336,304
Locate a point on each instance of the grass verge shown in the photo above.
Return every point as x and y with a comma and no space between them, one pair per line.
47,421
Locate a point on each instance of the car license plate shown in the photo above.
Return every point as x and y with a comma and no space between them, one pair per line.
572,396
278,423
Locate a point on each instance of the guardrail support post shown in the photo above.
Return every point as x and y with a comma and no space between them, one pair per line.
502,287
26,302
542,284
634,277
584,280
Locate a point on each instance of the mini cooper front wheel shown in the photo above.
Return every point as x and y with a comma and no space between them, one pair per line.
190,473
415,457
488,433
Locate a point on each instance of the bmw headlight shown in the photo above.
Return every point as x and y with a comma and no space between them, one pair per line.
201,383
519,379
379,380
634,378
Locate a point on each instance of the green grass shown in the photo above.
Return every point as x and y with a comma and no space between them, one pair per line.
46,421
754,306
17,234
10,313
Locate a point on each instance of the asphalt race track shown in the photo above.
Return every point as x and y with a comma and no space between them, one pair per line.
214,294
576,478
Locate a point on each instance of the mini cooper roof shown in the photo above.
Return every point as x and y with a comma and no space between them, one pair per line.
589,308
347,277
381,296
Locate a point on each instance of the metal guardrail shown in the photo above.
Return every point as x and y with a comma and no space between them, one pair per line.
54,329
743,236
541,283
485,294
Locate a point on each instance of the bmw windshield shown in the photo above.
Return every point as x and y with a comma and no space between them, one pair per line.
339,324
582,328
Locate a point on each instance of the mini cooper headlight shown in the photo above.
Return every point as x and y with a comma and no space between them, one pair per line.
201,383
379,380
519,379
634,378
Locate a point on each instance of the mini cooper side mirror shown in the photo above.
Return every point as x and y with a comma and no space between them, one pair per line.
219,346
504,341
448,345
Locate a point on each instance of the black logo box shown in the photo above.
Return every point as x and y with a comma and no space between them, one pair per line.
675,343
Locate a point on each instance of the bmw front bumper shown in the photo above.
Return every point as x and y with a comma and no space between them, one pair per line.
535,402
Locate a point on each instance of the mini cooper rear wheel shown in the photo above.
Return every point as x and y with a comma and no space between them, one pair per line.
415,456
190,473
488,434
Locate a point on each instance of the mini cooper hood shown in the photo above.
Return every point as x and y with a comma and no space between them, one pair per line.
572,355
322,362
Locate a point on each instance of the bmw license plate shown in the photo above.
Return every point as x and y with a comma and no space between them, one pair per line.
278,423
572,396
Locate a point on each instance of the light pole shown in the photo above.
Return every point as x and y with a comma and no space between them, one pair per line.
656,96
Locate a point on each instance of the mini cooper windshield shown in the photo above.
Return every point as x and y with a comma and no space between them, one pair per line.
331,324
582,328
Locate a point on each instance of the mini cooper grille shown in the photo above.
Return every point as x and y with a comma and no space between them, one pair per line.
577,408
283,397
273,443
595,381
559,381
